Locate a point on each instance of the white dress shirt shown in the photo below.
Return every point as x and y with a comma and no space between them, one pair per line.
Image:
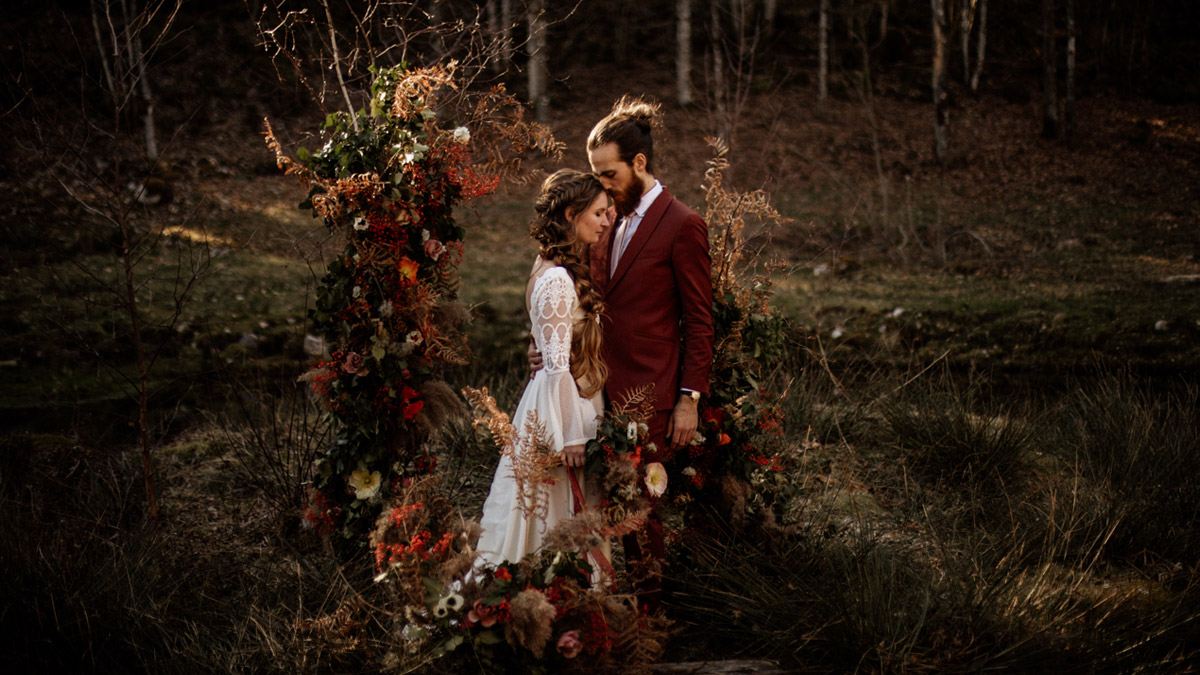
629,224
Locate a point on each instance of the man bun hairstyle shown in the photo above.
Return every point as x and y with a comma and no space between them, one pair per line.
630,125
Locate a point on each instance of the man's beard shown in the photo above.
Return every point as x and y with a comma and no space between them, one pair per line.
627,196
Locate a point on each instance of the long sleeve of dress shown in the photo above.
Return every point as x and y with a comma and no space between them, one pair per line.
551,309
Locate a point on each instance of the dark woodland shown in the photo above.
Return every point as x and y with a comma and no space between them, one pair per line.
985,280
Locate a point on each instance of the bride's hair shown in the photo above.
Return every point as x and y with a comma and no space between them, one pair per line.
567,189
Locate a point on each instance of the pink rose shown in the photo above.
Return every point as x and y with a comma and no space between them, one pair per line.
354,364
434,248
481,614
569,645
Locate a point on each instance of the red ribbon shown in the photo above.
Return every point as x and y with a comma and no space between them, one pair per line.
596,554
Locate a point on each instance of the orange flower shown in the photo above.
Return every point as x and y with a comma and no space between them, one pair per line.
723,439
408,270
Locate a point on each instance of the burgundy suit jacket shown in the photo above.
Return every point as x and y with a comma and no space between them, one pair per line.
658,320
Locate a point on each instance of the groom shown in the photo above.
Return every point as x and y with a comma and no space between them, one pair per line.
653,270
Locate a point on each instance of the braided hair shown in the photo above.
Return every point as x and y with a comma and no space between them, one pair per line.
567,189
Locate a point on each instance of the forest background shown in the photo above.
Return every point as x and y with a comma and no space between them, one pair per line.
992,294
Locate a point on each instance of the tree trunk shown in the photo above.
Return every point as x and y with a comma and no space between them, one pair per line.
941,112
823,52
1069,98
150,135
719,94
539,97
1050,128
683,51
507,20
980,43
966,19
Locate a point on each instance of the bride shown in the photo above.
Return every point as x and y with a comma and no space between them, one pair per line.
565,397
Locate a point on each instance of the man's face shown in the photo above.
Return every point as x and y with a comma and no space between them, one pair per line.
624,182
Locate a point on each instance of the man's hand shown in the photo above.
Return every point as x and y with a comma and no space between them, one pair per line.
573,456
535,358
681,428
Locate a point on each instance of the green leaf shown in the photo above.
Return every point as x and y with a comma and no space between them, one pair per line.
488,637
378,353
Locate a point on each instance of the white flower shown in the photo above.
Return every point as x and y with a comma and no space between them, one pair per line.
386,309
462,134
643,428
416,154
414,337
698,439
689,471
837,333
424,235
356,291
365,482
361,223
656,479
632,431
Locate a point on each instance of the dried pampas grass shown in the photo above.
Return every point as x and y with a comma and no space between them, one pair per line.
532,616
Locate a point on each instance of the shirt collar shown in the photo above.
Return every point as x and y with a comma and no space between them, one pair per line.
648,199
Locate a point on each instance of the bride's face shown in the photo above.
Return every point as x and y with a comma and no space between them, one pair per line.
591,223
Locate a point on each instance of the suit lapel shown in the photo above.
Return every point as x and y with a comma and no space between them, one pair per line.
645,229
599,254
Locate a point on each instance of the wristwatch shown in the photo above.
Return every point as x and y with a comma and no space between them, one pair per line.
694,395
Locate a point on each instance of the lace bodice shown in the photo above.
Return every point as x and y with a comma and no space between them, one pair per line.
554,311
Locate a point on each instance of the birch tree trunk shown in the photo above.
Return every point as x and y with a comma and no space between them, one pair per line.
683,51
980,43
536,48
823,52
1069,98
941,112
1050,128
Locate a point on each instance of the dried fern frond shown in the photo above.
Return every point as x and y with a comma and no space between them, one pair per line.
623,522
639,643
532,467
419,89
639,405
499,127
489,416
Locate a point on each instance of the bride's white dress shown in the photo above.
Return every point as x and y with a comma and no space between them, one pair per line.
568,419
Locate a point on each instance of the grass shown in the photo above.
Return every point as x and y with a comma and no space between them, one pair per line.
999,464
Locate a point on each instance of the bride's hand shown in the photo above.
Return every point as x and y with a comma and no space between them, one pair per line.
573,456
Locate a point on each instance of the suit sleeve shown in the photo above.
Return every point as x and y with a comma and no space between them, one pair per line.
693,278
